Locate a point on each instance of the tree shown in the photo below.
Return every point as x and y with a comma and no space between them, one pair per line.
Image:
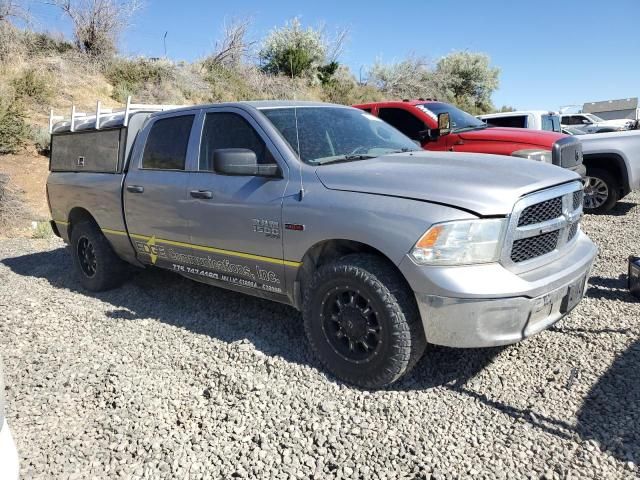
467,80
233,48
295,51
98,23
13,9
409,78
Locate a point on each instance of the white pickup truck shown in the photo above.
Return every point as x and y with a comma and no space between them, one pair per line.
613,168
590,123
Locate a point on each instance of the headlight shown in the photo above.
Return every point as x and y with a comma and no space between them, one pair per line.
535,154
461,242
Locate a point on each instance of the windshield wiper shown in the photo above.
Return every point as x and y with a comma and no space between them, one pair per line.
345,158
404,150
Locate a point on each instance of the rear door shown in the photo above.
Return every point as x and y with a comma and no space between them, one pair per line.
155,188
235,222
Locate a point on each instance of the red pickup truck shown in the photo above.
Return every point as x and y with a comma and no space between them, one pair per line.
418,119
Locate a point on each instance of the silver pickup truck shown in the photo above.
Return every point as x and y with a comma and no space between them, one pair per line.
382,246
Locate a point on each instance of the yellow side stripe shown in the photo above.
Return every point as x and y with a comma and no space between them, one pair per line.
114,232
61,222
201,248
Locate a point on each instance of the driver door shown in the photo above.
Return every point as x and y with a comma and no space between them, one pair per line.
235,221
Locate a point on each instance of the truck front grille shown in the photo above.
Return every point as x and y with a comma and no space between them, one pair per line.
542,225
541,212
578,197
532,247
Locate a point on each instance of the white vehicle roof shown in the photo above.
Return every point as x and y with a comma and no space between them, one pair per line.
517,112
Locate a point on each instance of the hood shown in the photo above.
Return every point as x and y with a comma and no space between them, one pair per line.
538,138
614,123
483,184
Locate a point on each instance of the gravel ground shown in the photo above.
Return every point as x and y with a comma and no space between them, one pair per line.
167,378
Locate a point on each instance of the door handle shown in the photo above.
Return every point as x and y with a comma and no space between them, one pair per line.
135,189
203,194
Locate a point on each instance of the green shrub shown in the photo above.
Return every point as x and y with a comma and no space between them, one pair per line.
292,50
45,44
41,139
42,229
129,77
12,208
14,131
33,85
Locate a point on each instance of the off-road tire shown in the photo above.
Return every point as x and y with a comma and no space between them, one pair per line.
612,186
402,338
110,270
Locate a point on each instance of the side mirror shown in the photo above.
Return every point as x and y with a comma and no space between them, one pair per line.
444,124
444,128
242,162
586,122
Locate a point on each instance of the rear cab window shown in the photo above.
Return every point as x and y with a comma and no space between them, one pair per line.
166,146
514,121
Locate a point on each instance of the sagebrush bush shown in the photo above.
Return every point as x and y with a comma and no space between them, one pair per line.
45,44
41,139
12,208
14,131
33,85
132,76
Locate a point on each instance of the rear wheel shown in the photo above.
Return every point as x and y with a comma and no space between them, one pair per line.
600,191
362,321
97,266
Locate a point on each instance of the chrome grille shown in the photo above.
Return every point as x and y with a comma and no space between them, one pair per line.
532,247
541,212
567,152
578,197
541,226
573,230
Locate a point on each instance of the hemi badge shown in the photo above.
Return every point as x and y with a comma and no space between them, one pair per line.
294,226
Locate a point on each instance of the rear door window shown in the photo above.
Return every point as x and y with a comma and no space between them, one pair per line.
404,121
515,121
166,147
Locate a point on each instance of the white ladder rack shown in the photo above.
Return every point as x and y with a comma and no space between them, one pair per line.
104,112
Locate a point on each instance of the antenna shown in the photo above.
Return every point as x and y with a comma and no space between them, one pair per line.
164,41
301,194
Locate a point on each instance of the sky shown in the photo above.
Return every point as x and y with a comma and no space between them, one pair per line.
551,53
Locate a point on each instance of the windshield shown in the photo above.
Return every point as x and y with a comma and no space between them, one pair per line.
594,118
460,120
321,135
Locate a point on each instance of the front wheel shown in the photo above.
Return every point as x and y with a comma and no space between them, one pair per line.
600,191
362,321
97,266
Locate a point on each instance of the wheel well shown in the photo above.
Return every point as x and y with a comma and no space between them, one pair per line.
612,163
77,215
327,251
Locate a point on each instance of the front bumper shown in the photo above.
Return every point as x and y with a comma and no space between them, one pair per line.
488,305
8,455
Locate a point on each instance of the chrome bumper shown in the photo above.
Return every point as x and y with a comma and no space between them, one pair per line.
487,305
8,454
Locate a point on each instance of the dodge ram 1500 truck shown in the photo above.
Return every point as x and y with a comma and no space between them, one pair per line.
418,119
382,246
